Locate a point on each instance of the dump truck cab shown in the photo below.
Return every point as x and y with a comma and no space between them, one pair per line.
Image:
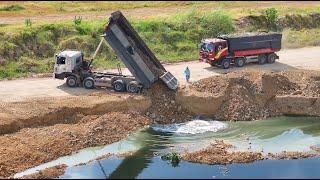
210,49
68,62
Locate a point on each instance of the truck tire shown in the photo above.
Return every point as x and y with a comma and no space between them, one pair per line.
72,81
225,63
272,58
240,62
262,59
132,87
88,83
119,85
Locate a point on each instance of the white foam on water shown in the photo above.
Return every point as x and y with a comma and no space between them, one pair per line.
191,127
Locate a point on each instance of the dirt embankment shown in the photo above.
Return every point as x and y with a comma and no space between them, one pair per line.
33,146
64,110
250,95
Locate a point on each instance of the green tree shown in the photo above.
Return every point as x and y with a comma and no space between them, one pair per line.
272,17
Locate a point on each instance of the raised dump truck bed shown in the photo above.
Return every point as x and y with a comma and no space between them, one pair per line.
135,54
253,41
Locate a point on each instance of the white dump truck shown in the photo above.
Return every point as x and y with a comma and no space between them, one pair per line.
130,48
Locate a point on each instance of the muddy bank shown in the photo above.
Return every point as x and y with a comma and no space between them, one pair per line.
49,173
34,146
252,95
218,153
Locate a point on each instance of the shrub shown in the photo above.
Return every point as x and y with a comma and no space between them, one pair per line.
77,20
272,17
173,157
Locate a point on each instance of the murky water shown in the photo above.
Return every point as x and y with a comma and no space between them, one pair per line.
271,135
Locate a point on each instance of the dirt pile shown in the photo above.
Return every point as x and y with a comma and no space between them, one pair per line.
249,95
218,153
164,108
33,146
49,173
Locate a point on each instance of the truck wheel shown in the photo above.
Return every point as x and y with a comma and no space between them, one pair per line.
225,63
239,62
88,83
132,87
262,59
72,81
272,58
118,85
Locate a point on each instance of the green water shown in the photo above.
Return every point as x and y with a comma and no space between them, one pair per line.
270,135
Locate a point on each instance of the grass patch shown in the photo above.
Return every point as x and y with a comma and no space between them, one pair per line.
301,38
13,7
173,38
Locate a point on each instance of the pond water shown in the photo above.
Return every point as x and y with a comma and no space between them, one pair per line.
270,135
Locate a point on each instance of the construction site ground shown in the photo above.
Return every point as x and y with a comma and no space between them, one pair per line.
290,59
41,119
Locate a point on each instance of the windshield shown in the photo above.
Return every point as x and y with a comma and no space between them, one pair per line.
61,60
207,46
210,47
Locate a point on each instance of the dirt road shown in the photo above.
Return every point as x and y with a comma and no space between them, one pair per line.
141,13
17,90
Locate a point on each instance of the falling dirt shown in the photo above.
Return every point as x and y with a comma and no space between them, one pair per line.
49,173
164,108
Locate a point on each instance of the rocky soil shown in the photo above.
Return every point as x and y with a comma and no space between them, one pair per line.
250,95
33,146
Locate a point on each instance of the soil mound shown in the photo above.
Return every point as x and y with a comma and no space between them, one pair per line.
247,94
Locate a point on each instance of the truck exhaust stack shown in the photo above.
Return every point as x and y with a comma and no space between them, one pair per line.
135,54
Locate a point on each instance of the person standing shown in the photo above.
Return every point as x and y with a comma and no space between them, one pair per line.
187,74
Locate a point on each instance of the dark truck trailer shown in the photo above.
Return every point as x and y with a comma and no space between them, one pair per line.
254,41
241,49
135,54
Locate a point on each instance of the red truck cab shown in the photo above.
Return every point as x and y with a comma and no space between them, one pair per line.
210,49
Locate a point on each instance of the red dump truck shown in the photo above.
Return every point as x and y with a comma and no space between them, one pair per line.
240,49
